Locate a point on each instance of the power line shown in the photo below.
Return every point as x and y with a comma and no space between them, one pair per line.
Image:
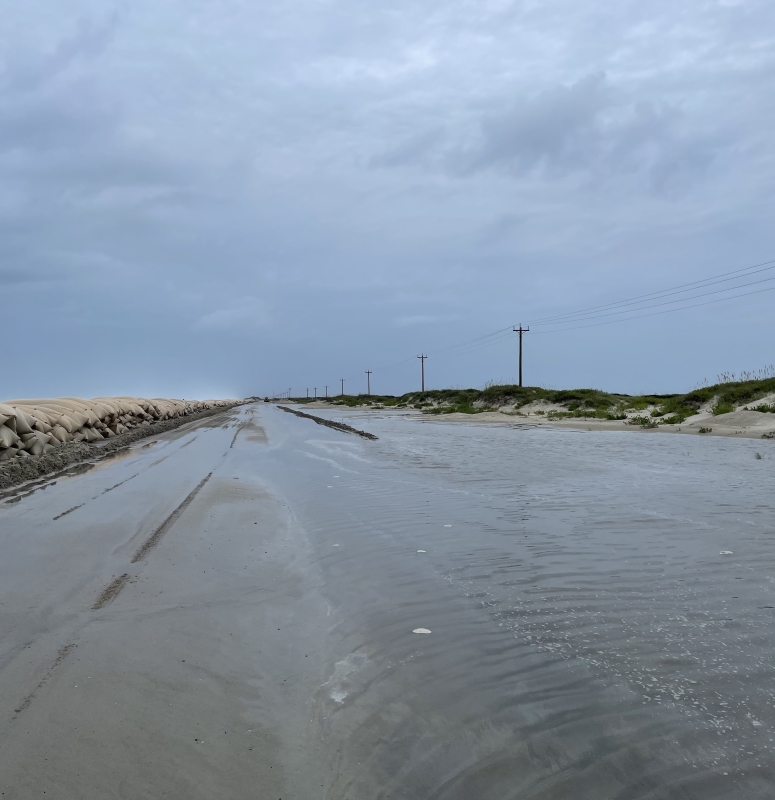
481,346
657,305
621,309
680,288
591,314
666,311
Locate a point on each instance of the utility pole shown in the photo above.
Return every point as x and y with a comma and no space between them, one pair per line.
422,363
316,393
342,380
368,381
326,392
520,330
289,394
308,393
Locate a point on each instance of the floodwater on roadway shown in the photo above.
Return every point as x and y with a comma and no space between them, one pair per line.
262,606
601,610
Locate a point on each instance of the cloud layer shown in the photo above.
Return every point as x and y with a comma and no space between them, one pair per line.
223,197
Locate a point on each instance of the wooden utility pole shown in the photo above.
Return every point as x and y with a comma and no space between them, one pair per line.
520,330
422,363
316,393
368,381
308,393
342,380
326,392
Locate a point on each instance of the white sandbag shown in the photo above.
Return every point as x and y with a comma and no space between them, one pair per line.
7,437
39,414
62,434
68,423
23,422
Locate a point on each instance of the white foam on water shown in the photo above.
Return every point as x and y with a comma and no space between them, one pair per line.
420,630
342,671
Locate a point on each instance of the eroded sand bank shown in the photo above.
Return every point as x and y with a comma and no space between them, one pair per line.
740,423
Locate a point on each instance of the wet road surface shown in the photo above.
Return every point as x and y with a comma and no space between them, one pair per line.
228,611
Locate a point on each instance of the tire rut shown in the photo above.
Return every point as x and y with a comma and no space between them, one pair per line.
111,591
63,653
156,536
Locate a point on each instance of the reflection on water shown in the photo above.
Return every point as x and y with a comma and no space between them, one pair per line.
98,462
601,608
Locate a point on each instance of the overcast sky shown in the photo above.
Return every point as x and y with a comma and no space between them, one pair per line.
227,197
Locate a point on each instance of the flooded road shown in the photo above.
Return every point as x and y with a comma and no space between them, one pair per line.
230,612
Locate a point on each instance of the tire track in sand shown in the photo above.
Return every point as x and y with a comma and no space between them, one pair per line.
155,537
111,591
63,653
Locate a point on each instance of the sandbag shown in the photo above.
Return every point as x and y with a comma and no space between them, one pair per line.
62,434
23,423
35,426
7,437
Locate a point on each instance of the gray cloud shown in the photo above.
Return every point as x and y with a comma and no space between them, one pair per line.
256,182
561,127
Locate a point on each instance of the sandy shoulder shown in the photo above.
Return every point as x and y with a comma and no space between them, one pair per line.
739,424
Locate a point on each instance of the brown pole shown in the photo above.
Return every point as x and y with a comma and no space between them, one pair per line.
422,362
520,330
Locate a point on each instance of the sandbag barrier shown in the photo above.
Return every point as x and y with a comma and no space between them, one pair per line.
37,427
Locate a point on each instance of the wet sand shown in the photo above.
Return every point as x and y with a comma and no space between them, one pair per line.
599,608
195,675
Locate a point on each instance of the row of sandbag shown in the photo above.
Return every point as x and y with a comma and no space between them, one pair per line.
34,427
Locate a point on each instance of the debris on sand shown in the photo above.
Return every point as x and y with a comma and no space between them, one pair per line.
339,426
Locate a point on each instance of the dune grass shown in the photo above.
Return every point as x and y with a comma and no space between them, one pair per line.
665,409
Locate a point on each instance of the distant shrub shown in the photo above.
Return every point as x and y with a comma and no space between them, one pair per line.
644,422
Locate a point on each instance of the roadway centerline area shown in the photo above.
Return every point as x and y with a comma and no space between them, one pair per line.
142,602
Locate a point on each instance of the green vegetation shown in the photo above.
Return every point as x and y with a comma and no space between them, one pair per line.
658,409
643,421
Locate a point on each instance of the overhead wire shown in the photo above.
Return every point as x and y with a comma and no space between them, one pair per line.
680,289
594,311
626,309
